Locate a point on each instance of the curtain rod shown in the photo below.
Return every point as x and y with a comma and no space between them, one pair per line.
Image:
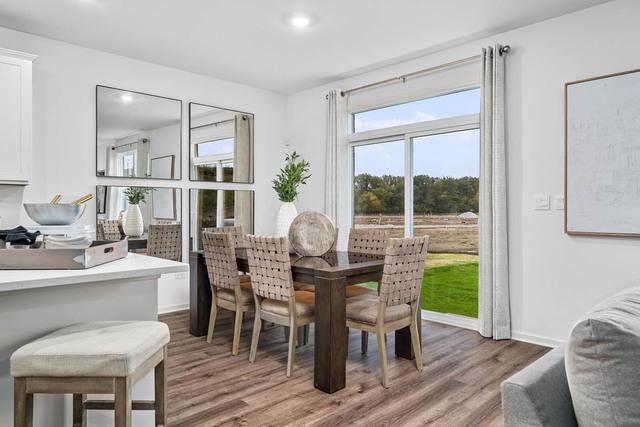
216,124
503,50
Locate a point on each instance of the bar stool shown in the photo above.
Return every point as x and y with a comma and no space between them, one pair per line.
93,358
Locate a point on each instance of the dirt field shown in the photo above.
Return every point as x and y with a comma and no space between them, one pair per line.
447,233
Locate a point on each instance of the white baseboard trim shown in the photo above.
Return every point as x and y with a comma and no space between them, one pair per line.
450,319
171,308
535,339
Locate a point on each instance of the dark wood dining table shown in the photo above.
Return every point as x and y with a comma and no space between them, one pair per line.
330,274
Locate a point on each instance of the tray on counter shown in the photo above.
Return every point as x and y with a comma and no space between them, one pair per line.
40,258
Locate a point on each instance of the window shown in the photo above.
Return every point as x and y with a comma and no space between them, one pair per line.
213,160
439,107
212,148
421,177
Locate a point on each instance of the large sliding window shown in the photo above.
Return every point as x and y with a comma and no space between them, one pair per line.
421,178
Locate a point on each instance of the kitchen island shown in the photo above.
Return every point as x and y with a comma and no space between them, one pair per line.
36,302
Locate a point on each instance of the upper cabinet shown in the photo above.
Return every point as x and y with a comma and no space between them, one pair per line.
220,144
15,117
138,135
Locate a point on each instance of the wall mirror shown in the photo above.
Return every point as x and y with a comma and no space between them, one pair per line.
220,144
218,208
137,135
117,219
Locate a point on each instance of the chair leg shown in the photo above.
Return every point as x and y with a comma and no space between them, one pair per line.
212,319
364,338
415,342
22,404
79,414
292,349
122,402
257,324
237,328
160,387
303,335
382,355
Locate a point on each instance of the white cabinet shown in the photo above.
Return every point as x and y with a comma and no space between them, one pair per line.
15,117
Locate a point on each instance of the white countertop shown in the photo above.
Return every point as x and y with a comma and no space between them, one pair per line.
132,267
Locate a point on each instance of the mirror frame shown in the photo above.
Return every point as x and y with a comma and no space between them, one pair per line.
178,160
251,147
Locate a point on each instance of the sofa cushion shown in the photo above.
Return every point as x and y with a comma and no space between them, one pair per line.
603,363
93,349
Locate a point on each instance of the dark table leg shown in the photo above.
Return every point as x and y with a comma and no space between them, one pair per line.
403,338
199,295
330,336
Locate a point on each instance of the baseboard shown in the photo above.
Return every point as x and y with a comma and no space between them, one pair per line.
535,339
172,308
450,319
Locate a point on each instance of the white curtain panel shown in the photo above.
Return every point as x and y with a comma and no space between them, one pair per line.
494,316
331,158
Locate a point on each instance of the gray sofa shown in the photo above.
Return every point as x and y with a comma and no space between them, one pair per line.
593,381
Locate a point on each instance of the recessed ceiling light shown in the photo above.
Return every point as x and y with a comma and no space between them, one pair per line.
300,20
126,97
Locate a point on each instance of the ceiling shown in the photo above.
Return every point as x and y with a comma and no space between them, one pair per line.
250,42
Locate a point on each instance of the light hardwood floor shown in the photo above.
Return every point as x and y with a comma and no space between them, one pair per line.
460,384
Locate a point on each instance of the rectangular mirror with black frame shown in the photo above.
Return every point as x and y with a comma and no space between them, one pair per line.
218,208
220,144
137,135
132,211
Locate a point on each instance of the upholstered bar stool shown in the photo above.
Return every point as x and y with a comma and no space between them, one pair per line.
93,358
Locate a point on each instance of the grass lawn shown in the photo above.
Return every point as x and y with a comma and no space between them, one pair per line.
450,284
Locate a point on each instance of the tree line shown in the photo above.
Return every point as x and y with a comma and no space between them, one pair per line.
432,195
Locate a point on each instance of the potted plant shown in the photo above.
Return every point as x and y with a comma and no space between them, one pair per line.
294,174
134,224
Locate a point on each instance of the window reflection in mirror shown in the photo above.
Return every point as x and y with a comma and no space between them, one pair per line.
218,208
221,144
137,135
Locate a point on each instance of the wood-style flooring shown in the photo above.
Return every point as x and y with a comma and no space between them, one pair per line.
459,386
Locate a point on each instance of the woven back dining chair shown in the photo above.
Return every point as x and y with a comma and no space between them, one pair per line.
229,290
108,229
275,297
396,306
239,238
165,241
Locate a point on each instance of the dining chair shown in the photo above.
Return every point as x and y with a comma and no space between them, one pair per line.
396,306
229,290
366,241
107,229
165,241
239,238
275,298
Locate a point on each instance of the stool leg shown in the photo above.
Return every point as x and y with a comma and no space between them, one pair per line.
22,404
122,402
161,391
79,414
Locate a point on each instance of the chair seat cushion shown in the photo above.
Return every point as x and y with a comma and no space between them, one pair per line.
305,305
365,309
358,291
94,349
246,293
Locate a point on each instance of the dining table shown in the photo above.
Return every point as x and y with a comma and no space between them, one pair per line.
329,274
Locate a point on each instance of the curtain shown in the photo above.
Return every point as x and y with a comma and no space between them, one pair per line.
331,158
242,171
494,317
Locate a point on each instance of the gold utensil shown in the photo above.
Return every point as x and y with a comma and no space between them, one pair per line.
56,199
83,199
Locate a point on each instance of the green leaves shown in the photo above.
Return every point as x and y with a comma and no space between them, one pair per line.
136,195
294,173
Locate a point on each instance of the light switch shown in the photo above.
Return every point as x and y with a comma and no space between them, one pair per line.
541,202
559,202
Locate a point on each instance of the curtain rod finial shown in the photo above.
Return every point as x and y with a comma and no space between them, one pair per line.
505,49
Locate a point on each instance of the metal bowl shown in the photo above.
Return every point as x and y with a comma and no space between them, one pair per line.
50,214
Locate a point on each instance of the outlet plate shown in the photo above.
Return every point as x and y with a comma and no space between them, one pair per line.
541,202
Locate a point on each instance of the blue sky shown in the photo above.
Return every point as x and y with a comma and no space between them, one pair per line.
453,154
212,148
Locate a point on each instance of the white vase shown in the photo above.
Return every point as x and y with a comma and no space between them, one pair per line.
134,225
286,214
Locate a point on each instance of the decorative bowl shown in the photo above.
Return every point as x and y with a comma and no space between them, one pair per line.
50,214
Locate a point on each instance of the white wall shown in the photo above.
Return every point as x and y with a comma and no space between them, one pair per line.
554,278
64,79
